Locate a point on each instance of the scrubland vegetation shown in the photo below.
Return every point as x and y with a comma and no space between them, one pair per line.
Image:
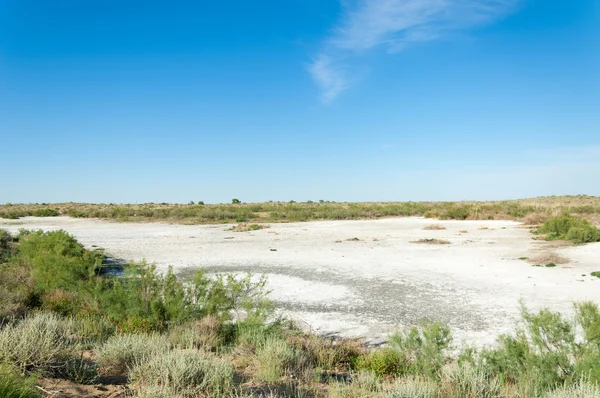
216,336
531,211
569,228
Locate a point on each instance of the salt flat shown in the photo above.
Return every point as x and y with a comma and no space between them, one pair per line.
333,284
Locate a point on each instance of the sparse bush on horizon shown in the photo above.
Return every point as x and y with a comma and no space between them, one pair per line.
530,211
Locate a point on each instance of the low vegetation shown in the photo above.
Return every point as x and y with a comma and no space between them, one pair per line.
531,211
216,337
14,385
431,241
245,227
569,228
548,258
434,227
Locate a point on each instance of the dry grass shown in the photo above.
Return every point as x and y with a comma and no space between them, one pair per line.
548,258
434,227
205,334
463,231
432,241
534,219
245,227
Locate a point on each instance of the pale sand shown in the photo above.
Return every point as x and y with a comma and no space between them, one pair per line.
369,287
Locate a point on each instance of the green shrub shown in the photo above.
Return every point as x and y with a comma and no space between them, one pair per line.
45,213
41,341
584,234
145,300
545,353
14,385
424,347
456,213
183,374
568,228
596,274
57,260
382,362
11,215
52,271
419,351
121,352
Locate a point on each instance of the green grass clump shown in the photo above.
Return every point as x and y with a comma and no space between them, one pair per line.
596,274
419,351
569,228
14,385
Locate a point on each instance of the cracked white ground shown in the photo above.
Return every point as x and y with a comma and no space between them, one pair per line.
368,287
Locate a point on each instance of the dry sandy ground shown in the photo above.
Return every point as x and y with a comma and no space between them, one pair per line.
371,286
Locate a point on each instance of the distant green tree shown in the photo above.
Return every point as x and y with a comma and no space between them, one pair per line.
235,201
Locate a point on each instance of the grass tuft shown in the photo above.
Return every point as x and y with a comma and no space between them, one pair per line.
245,227
183,374
434,227
432,241
121,352
40,342
14,385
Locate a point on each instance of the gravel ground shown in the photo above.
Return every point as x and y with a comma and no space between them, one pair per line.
336,285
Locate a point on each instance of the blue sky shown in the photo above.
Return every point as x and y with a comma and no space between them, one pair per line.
357,100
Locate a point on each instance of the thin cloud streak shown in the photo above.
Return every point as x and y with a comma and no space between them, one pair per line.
395,25
330,79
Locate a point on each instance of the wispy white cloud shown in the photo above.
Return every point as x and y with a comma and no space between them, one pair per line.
329,77
394,25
